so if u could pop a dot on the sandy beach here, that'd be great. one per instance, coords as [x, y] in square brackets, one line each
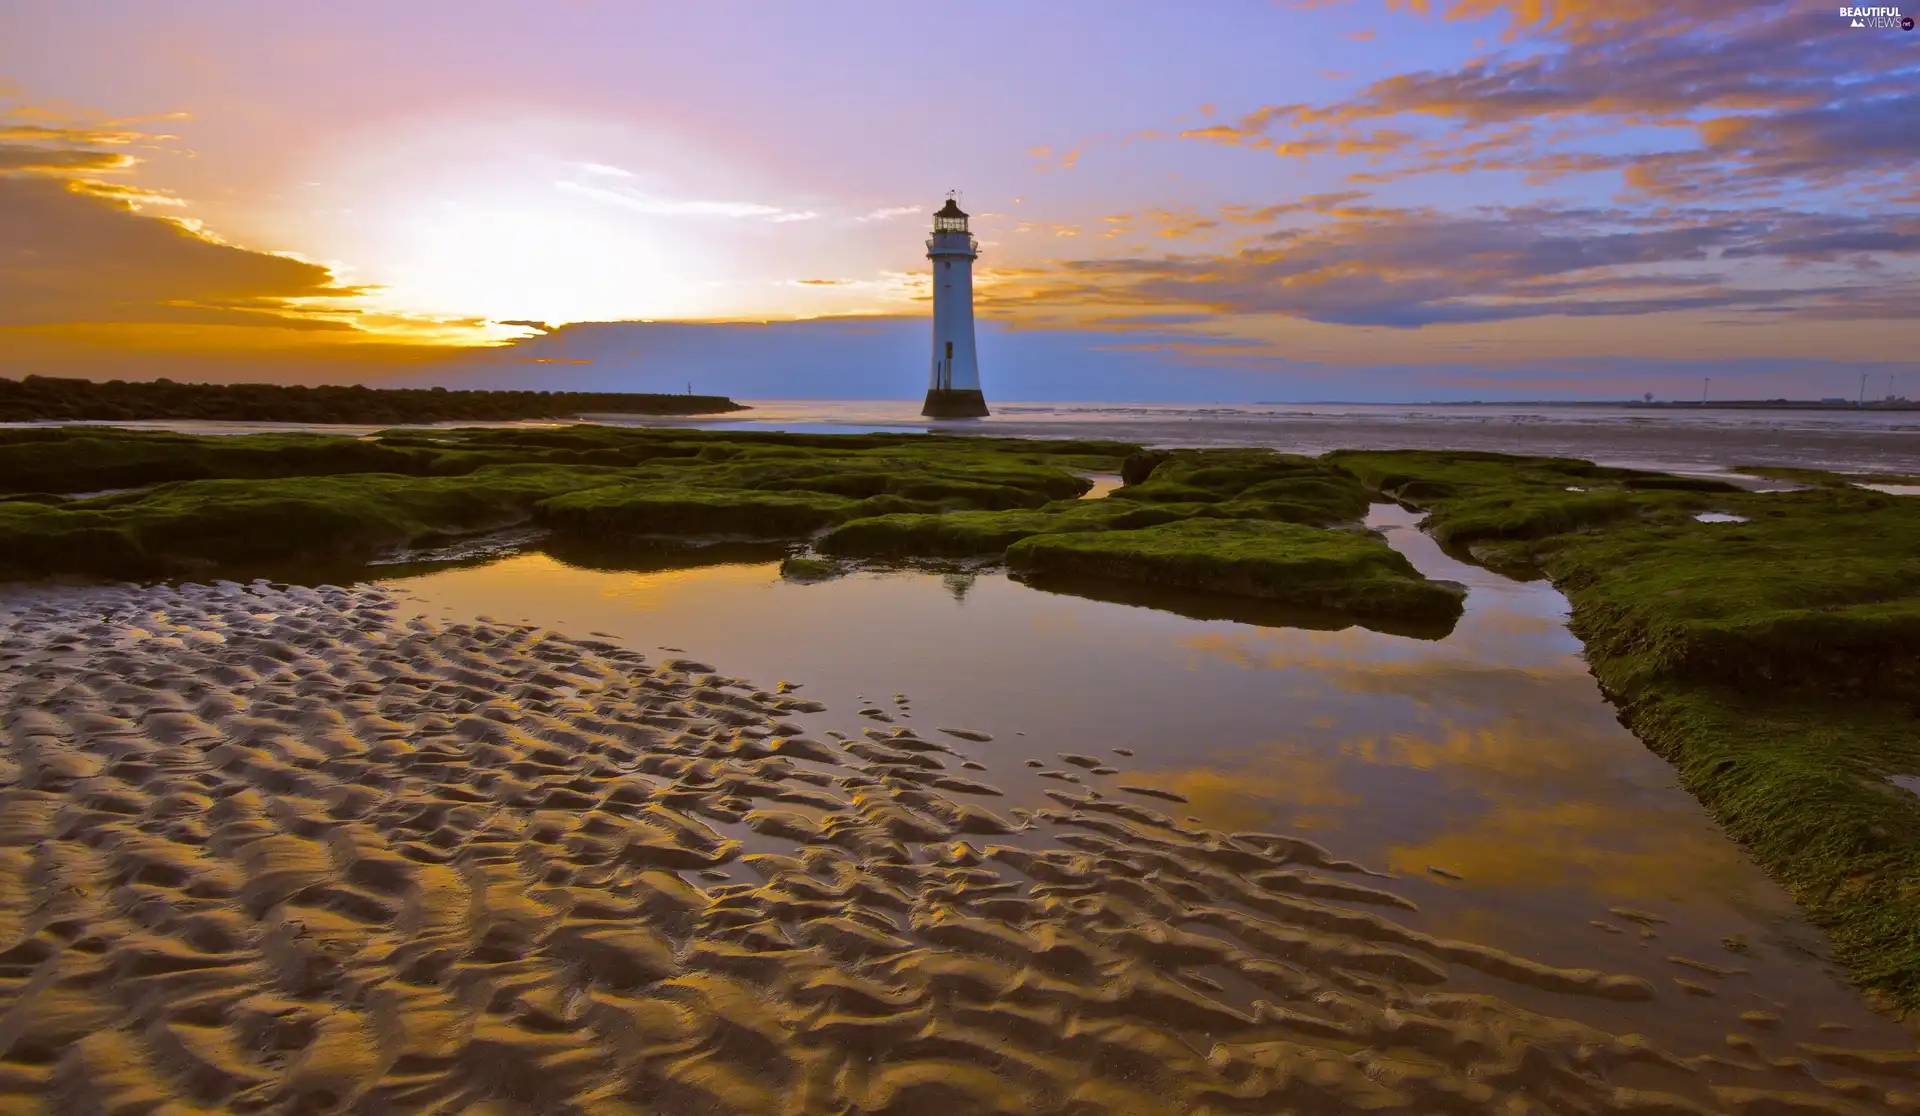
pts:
[268, 848]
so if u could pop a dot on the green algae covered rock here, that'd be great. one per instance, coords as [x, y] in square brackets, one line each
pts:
[1345, 571]
[1247, 483]
[1771, 653]
[980, 533]
[195, 526]
[639, 509]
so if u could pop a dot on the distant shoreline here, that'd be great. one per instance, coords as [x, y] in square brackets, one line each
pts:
[47, 399]
[1635, 404]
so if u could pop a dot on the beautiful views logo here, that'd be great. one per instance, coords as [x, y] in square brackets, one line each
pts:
[1877, 17]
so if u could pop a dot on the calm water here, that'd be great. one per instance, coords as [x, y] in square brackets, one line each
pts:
[1689, 441]
[1483, 769]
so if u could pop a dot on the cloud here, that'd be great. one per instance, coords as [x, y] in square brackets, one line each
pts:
[1048, 158]
[89, 280]
[1760, 100]
[21, 158]
[888, 213]
[73, 256]
[78, 249]
[1336, 262]
[62, 136]
[824, 282]
[680, 207]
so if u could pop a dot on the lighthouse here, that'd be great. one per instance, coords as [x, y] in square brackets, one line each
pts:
[954, 389]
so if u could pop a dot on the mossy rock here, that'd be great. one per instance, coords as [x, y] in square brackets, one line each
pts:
[981, 483]
[617, 510]
[87, 459]
[1822, 478]
[799, 567]
[981, 533]
[193, 526]
[674, 484]
[1775, 662]
[1248, 483]
[1817, 592]
[1346, 571]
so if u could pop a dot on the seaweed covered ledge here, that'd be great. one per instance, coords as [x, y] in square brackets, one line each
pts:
[1766, 643]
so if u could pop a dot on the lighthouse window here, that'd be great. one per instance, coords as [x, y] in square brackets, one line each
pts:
[948, 264]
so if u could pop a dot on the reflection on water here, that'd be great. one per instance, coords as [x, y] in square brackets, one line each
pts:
[1483, 769]
[1197, 605]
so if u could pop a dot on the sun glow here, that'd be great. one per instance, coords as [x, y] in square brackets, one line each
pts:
[532, 219]
[527, 260]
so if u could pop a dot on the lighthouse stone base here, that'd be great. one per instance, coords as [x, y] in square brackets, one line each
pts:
[946, 403]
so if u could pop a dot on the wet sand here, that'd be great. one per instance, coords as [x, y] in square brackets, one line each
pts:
[269, 848]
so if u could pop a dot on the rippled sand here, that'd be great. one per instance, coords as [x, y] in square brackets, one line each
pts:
[289, 850]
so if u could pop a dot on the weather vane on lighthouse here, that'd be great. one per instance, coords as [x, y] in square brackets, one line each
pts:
[954, 391]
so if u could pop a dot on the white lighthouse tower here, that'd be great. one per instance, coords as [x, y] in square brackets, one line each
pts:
[954, 390]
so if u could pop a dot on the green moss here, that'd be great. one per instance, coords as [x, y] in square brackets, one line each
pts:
[1775, 662]
[1424, 476]
[1247, 483]
[1347, 571]
[1819, 591]
[623, 510]
[976, 481]
[801, 568]
[188, 526]
[976, 533]
[1821, 478]
[87, 459]
[687, 484]
[1803, 785]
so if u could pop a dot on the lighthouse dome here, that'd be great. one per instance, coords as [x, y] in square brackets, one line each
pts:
[950, 218]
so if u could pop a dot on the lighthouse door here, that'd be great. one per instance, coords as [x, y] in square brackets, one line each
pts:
[947, 379]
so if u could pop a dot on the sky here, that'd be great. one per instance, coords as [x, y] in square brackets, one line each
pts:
[1330, 199]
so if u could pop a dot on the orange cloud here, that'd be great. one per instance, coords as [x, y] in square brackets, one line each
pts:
[1050, 159]
[90, 273]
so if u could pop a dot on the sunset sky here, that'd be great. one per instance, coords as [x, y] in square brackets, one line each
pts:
[1411, 199]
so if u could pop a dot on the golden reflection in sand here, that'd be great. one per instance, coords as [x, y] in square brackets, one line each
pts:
[1621, 853]
[1295, 785]
[1525, 800]
[1485, 636]
[1297, 650]
[542, 585]
[1508, 748]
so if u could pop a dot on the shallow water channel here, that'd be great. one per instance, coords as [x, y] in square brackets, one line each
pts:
[1483, 771]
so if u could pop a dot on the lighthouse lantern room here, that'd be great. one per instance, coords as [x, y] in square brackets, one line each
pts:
[954, 390]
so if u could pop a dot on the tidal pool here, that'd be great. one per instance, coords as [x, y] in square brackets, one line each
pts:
[1483, 771]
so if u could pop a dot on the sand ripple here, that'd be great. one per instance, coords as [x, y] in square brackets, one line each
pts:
[285, 849]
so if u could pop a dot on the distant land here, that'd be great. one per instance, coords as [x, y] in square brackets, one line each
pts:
[1654, 404]
[51, 399]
